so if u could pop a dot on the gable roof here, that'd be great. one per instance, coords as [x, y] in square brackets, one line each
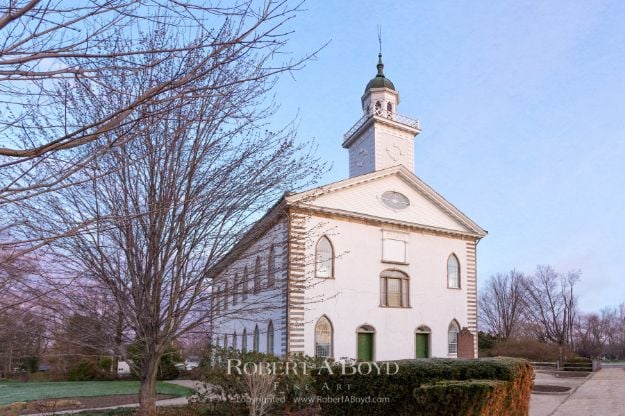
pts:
[353, 197]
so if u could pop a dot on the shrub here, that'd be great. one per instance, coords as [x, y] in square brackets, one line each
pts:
[30, 364]
[577, 364]
[87, 370]
[529, 349]
[231, 393]
[105, 363]
[429, 387]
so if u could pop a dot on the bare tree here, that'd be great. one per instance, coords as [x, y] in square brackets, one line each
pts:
[23, 341]
[50, 50]
[601, 334]
[552, 304]
[501, 304]
[161, 208]
[590, 335]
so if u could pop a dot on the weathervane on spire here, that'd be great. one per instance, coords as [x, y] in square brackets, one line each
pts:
[380, 64]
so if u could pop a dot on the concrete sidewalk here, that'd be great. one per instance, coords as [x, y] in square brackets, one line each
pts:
[602, 394]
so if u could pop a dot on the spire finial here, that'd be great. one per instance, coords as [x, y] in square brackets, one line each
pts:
[380, 64]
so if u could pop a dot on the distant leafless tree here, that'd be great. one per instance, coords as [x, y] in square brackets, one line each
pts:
[602, 334]
[552, 304]
[501, 303]
[590, 335]
[23, 340]
[194, 169]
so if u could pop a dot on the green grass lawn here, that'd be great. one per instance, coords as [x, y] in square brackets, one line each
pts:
[11, 391]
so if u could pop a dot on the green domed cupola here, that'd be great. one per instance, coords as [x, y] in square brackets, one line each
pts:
[380, 81]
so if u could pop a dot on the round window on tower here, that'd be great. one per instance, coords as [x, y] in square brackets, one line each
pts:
[395, 200]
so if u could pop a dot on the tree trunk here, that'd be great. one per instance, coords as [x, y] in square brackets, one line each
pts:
[147, 390]
[119, 331]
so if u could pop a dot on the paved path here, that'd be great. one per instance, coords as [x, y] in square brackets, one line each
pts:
[603, 394]
[545, 404]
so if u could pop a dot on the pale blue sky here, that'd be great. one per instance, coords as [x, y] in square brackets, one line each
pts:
[522, 108]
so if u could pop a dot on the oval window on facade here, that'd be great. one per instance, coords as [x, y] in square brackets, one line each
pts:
[395, 200]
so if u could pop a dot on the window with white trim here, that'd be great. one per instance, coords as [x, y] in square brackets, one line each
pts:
[323, 338]
[324, 258]
[394, 289]
[256, 340]
[453, 272]
[245, 283]
[452, 336]
[270, 338]
[235, 289]
[257, 275]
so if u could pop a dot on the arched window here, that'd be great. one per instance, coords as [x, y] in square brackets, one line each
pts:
[217, 300]
[324, 258]
[452, 337]
[323, 338]
[257, 275]
[244, 283]
[226, 294]
[256, 340]
[389, 110]
[394, 289]
[234, 340]
[244, 341]
[378, 108]
[271, 267]
[453, 272]
[235, 289]
[270, 338]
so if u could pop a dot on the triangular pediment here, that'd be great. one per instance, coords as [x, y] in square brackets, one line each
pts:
[363, 196]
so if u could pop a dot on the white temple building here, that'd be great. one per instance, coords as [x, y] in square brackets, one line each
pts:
[378, 266]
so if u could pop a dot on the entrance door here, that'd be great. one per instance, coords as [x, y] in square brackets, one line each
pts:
[365, 346]
[422, 342]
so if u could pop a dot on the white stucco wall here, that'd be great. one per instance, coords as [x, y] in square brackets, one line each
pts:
[259, 308]
[362, 154]
[393, 147]
[352, 298]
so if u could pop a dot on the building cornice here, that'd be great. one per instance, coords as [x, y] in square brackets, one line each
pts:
[366, 219]
[399, 122]
[461, 218]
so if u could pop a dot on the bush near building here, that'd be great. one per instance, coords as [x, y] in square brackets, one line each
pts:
[491, 386]
[255, 392]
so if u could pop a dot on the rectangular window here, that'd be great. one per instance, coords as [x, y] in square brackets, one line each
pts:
[394, 292]
[394, 289]
[394, 246]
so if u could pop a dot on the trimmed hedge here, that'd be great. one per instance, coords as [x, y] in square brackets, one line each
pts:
[491, 386]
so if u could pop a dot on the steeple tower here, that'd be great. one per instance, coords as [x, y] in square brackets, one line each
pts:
[381, 138]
